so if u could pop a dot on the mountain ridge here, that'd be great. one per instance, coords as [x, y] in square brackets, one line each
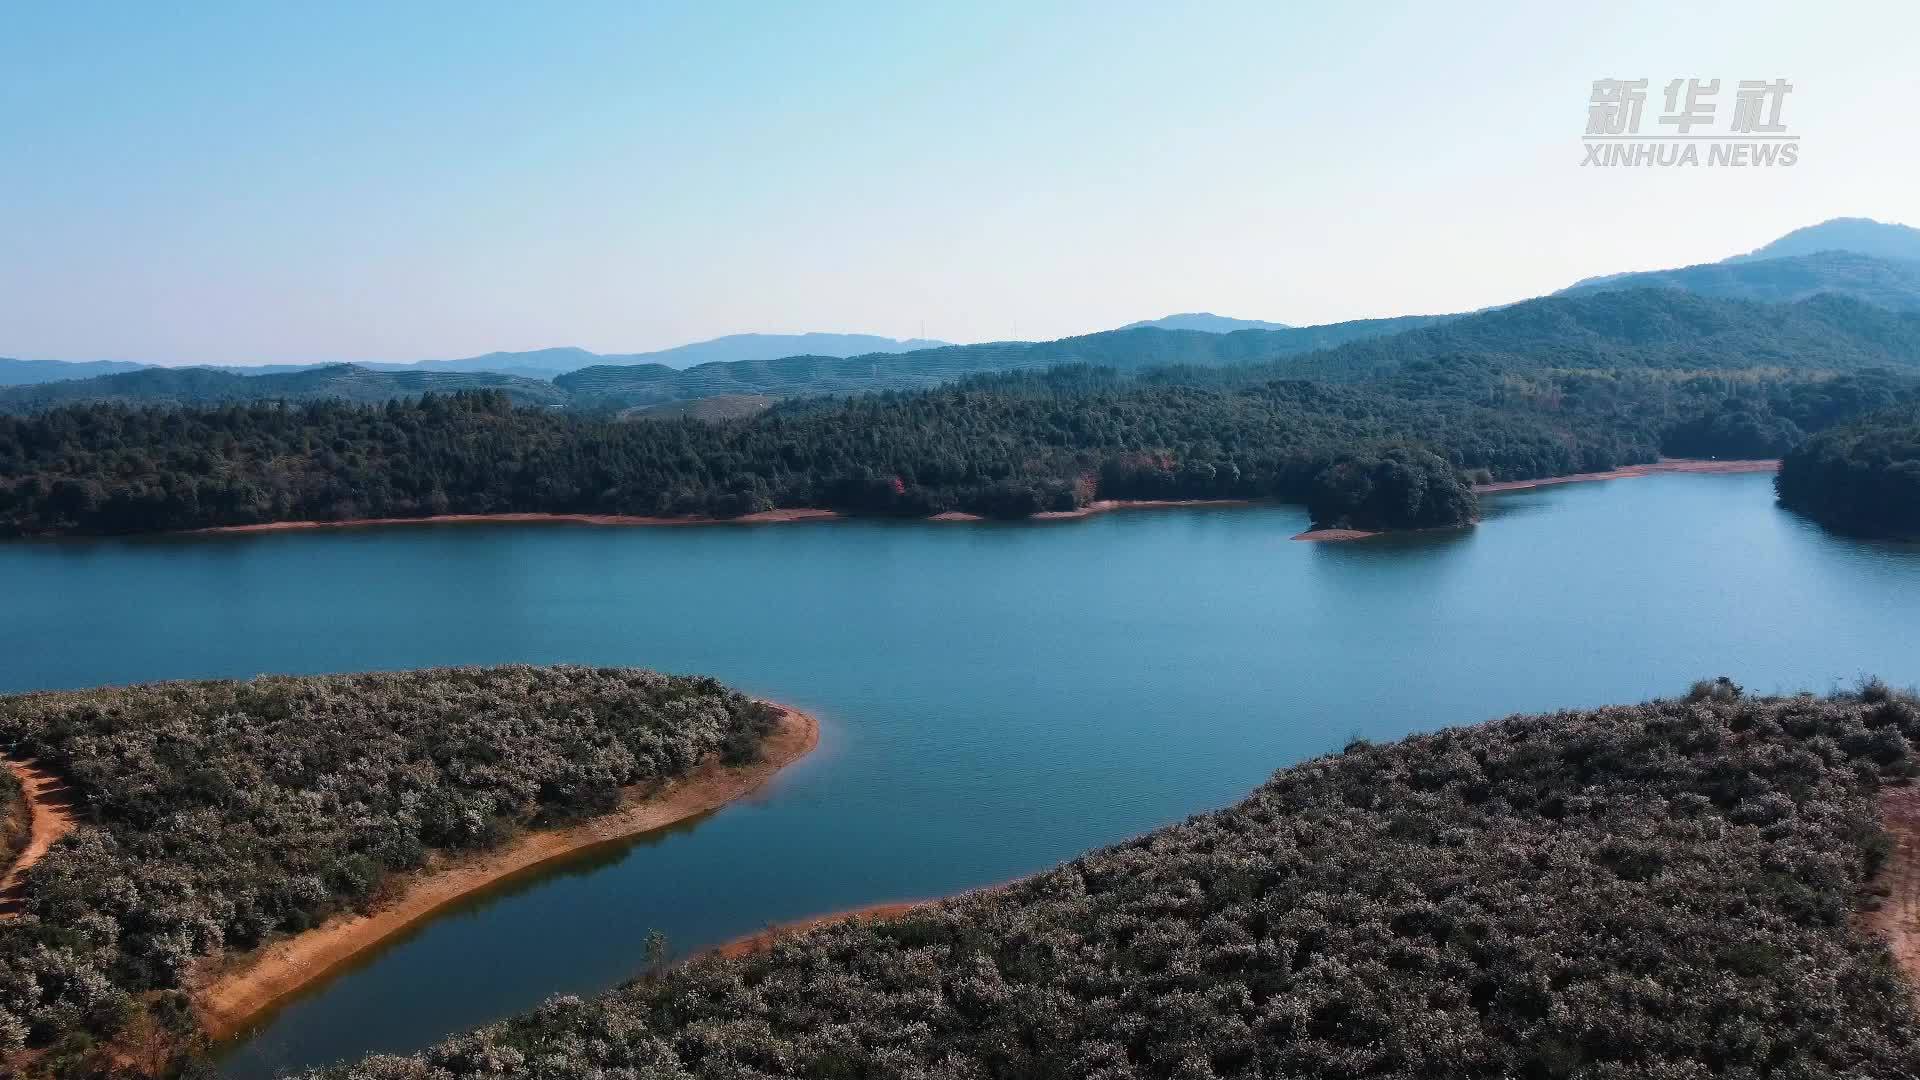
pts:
[1205, 322]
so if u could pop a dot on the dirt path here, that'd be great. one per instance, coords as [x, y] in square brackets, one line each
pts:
[1668, 465]
[228, 999]
[50, 807]
[1898, 918]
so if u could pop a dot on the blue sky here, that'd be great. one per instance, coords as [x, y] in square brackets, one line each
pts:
[257, 183]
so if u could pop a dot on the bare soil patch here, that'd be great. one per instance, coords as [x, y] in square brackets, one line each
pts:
[1897, 919]
[50, 814]
[1668, 465]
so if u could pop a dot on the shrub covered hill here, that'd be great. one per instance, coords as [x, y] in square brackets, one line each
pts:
[215, 815]
[1863, 478]
[1571, 384]
[212, 386]
[1657, 891]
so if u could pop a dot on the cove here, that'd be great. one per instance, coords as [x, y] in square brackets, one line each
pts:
[994, 698]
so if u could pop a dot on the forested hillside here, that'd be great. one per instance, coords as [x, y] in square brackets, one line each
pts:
[213, 815]
[1888, 283]
[1645, 328]
[1664, 890]
[1004, 446]
[1128, 349]
[1863, 478]
[206, 386]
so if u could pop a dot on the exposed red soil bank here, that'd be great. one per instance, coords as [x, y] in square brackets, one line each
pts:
[243, 987]
[1898, 917]
[50, 810]
[765, 517]
[765, 939]
[1334, 534]
[1667, 465]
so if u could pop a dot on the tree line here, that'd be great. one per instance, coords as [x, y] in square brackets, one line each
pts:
[1001, 446]
[1862, 478]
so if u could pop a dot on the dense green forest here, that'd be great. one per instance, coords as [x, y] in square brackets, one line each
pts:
[1654, 891]
[213, 815]
[1003, 446]
[1664, 329]
[1863, 478]
[1557, 386]
[1401, 487]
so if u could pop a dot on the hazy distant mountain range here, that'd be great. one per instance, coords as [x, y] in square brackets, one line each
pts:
[1873, 267]
[1206, 322]
[1125, 350]
[731, 349]
[208, 386]
[533, 364]
[1864, 236]
[1858, 257]
[1888, 283]
[22, 372]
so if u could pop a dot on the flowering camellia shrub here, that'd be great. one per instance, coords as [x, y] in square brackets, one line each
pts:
[214, 814]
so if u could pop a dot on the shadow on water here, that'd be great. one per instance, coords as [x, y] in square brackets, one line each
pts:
[580, 863]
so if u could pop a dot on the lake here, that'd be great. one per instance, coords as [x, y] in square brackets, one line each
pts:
[994, 698]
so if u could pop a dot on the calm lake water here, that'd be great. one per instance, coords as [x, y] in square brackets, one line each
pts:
[995, 698]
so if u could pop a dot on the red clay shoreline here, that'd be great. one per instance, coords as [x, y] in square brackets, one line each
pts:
[1698, 466]
[764, 517]
[1101, 506]
[1702, 466]
[886, 909]
[230, 992]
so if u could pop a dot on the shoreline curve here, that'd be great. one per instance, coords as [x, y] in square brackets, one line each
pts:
[1698, 466]
[1099, 506]
[764, 517]
[238, 989]
[1665, 466]
[763, 939]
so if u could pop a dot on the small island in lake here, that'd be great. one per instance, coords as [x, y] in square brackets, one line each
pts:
[1862, 478]
[1400, 487]
[232, 841]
